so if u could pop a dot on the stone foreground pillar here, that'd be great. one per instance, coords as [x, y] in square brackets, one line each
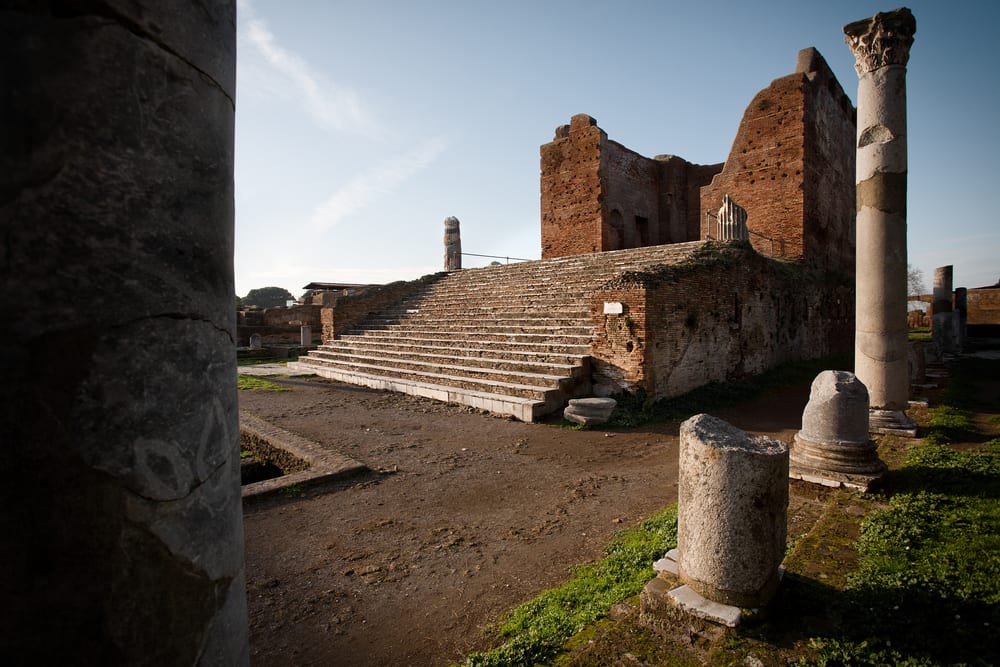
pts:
[732, 501]
[881, 47]
[452, 244]
[121, 515]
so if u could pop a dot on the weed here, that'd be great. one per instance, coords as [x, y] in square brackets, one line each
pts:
[253, 383]
[292, 491]
[537, 630]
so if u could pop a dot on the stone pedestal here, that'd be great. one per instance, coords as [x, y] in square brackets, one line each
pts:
[305, 335]
[121, 517]
[833, 448]
[881, 46]
[452, 244]
[732, 502]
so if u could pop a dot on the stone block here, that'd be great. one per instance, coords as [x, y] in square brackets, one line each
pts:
[588, 411]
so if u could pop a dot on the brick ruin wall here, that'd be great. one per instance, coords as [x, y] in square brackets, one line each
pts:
[732, 313]
[277, 325]
[570, 190]
[791, 167]
[598, 195]
[983, 308]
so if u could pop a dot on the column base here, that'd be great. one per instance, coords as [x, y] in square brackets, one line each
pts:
[891, 422]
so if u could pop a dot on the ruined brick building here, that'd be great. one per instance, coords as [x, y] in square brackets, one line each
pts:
[791, 167]
[630, 294]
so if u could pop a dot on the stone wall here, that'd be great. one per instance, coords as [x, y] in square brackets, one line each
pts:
[791, 167]
[729, 313]
[350, 310]
[598, 195]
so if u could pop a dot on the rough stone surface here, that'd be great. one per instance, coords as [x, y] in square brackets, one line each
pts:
[588, 411]
[881, 47]
[732, 502]
[119, 404]
[833, 448]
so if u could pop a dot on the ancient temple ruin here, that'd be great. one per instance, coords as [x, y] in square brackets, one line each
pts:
[635, 290]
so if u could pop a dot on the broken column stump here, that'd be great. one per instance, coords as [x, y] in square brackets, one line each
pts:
[731, 522]
[834, 448]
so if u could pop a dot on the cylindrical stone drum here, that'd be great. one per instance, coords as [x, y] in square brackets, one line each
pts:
[732, 506]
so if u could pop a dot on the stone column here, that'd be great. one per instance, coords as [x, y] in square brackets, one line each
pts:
[732, 501]
[943, 324]
[121, 514]
[452, 245]
[881, 47]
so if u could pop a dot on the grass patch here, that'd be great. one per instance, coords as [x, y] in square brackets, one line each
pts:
[927, 587]
[253, 383]
[536, 631]
[635, 409]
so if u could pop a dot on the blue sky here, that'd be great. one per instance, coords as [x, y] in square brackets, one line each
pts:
[360, 126]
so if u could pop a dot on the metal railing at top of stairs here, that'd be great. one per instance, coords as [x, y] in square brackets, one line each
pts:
[508, 259]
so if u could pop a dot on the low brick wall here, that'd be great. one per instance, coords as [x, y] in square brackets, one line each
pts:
[350, 310]
[727, 313]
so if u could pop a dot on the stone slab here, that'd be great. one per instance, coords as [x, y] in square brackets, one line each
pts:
[690, 602]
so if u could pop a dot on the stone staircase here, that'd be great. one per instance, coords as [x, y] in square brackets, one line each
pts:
[513, 339]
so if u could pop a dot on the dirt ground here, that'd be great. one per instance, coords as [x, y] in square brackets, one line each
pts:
[464, 516]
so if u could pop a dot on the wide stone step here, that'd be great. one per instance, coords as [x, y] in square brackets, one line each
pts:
[537, 392]
[436, 319]
[459, 363]
[525, 409]
[475, 330]
[537, 338]
[567, 355]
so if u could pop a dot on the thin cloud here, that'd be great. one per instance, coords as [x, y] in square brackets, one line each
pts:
[378, 182]
[333, 107]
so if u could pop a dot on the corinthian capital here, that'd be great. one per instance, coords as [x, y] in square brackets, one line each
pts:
[884, 39]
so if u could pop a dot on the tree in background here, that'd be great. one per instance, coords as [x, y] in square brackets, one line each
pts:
[915, 286]
[267, 297]
[914, 280]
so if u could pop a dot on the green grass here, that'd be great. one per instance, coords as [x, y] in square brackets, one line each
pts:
[253, 383]
[536, 631]
[927, 587]
[635, 409]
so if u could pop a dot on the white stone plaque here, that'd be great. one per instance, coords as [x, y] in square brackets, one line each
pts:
[613, 308]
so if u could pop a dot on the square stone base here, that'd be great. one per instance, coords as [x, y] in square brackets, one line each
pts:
[665, 599]
[862, 483]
